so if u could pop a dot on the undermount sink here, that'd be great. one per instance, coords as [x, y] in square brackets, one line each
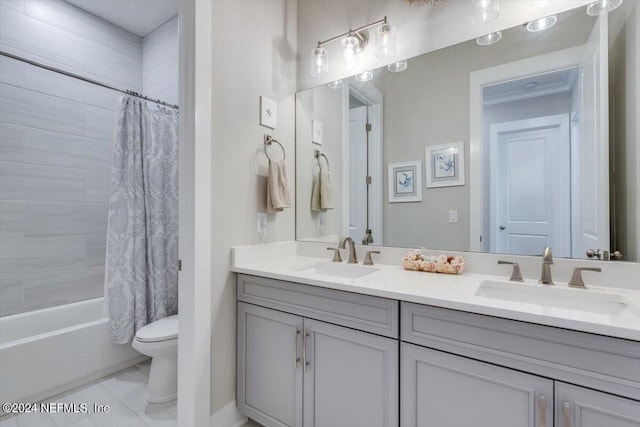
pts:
[573, 299]
[347, 271]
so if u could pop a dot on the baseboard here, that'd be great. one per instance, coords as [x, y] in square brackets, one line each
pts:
[227, 416]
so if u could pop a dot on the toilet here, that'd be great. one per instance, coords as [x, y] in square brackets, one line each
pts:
[159, 340]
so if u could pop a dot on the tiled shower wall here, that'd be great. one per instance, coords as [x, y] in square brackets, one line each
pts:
[55, 150]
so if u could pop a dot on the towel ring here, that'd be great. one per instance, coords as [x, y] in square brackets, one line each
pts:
[268, 140]
[318, 154]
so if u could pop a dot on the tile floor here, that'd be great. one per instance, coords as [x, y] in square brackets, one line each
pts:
[123, 392]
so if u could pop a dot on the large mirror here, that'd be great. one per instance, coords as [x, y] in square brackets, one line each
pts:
[504, 148]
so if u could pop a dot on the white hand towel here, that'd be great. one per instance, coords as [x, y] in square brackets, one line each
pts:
[326, 190]
[315, 194]
[278, 196]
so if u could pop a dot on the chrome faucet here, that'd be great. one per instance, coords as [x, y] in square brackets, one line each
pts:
[353, 258]
[547, 260]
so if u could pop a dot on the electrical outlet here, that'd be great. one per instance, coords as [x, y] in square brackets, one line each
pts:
[262, 222]
[453, 216]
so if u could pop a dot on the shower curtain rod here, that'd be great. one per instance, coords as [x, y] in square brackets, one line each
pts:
[85, 79]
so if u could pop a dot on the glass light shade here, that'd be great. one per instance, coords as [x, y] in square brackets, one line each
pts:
[385, 40]
[489, 39]
[602, 6]
[350, 46]
[485, 11]
[364, 76]
[542, 23]
[319, 62]
[397, 67]
[336, 84]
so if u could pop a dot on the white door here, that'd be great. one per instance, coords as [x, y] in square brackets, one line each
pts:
[530, 186]
[591, 155]
[357, 173]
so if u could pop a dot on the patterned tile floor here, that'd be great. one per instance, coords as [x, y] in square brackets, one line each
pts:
[123, 392]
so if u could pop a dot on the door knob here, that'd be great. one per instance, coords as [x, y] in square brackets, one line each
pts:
[502, 227]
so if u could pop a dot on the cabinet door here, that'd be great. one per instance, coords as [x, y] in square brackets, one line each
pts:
[351, 378]
[443, 390]
[582, 407]
[269, 367]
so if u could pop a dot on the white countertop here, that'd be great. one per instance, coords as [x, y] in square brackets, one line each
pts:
[456, 292]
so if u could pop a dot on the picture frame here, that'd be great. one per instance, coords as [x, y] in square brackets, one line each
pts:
[268, 112]
[445, 165]
[316, 132]
[405, 182]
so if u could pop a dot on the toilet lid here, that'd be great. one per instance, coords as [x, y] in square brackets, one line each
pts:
[160, 330]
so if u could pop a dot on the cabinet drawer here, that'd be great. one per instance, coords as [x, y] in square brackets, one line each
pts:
[603, 363]
[363, 312]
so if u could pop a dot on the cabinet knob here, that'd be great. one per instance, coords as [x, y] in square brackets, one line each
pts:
[502, 228]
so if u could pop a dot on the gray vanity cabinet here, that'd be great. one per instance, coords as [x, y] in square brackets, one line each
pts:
[269, 369]
[443, 390]
[582, 407]
[305, 360]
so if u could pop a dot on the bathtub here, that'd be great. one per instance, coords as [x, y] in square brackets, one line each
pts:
[49, 351]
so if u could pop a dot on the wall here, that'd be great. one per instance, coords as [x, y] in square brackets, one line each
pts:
[624, 119]
[160, 62]
[254, 53]
[55, 150]
[326, 105]
[420, 29]
[428, 104]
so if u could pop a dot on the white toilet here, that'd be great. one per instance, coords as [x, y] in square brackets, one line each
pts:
[159, 340]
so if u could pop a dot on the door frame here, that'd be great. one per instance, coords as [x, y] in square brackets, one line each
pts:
[370, 96]
[555, 61]
[562, 123]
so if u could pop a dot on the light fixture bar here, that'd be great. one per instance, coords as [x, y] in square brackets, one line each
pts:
[354, 32]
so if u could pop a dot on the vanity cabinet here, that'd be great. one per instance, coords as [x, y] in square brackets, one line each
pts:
[295, 368]
[449, 375]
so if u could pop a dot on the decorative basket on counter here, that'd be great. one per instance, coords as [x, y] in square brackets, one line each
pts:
[417, 261]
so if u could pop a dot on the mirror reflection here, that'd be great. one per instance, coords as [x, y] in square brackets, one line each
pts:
[503, 148]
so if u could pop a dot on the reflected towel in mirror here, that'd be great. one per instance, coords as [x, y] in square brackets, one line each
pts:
[322, 191]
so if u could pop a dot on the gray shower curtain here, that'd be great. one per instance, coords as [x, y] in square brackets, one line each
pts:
[141, 272]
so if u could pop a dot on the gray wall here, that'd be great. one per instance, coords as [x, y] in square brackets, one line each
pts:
[55, 150]
[160, 62]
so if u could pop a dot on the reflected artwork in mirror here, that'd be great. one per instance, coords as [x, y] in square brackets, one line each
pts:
[547, 122]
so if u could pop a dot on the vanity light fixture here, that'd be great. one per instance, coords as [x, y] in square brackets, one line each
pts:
[364, 76]
[353, 43]
[336, 84]
[397, 67]
[541, 24]
[486, 11]
[602, 6]
[489, 39]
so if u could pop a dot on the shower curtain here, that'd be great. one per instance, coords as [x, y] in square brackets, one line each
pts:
[141, 272]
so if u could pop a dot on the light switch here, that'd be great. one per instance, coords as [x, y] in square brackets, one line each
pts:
[453, 216]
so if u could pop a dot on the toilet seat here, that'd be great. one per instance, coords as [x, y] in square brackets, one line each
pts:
[161, 330]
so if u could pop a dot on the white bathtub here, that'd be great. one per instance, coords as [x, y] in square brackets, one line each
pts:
[46, 352]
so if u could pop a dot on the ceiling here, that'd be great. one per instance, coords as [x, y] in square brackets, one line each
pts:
[137, 16]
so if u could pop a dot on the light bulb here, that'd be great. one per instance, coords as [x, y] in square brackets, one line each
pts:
[397, 67]
[385, 40]
[542, 24]
[319, 62]
[364, 76]
[489, 39]
[350, 46]
[485, 11]
[602, 6]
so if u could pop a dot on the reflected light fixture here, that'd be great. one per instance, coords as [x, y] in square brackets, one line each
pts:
[397, 67]
[336, 84]
[542, 23]
[601, 7]
[353, 43]
[489, 39]
[485, 11]
[364, 76]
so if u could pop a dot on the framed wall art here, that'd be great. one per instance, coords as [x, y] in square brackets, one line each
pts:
[405, 182]
[445, 165]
